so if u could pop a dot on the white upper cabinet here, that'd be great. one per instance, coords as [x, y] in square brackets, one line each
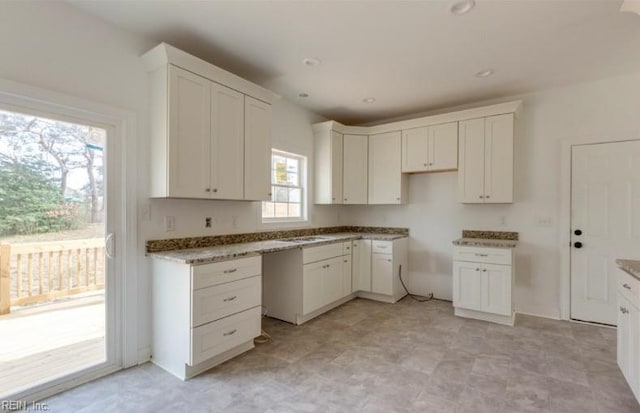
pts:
[387, 184]
[485, 172]
[257, 150]
[189, 136]
[430, 148]
[210, 130]
[328, 168]
[227, 143]
[355, 169]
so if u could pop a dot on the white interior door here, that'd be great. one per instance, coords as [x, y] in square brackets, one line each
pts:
[605, 224]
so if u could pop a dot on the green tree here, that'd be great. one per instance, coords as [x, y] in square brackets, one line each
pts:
[30, 202]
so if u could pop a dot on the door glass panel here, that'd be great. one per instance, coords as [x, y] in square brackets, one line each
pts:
[52, 258]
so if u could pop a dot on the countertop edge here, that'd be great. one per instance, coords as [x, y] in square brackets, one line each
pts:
[626, 266]
[486, 243]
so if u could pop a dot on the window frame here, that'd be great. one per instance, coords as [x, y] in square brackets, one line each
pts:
[302, 186]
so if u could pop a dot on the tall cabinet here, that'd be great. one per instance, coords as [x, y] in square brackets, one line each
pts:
[210, 130]
[328, 167]
[355, 170]
[387, 184]
[485, 172]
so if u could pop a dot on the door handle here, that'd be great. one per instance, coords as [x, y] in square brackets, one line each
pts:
[577, 244]
[110, 245]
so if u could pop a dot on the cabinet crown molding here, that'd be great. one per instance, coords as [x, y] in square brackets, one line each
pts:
[164, 54]
[514, 107]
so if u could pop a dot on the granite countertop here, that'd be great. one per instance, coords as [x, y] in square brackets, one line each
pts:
[251, 249]
[630, 266]
[483, 242]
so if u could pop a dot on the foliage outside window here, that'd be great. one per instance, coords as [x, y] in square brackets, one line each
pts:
[287, 190]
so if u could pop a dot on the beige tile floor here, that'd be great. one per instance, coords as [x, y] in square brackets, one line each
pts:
[373, 357]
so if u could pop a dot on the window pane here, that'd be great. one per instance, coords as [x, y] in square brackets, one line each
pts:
[292, 179]
[281, 194]
[277, 160]
[281, 210]
[294, 195]
[294, 210]
[292, 165]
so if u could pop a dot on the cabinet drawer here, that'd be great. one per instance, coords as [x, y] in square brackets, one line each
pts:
[346, 248]
[483, 255]
[382, 247]
[223, 272]
[629, 286]
[322, 252]
[211, 339]
[213, 303]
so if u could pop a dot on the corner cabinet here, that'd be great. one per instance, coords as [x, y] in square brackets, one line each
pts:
[430, 148]
[209, 140]
[204, 314]
[387, 184]
[482, 283]
[376, 269]
[485, 172]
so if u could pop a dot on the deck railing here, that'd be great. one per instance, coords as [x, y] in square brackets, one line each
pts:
[42, 271]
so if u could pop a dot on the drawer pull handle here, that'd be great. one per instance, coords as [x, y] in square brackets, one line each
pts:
[484, 270]
[382, 247]
[346, 261]
[627, 286]
[623, 310]
[230, 271]
[231, 298]
[232, 332]
[481, 255]
[477, 269]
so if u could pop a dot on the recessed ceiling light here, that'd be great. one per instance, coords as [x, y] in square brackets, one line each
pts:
[484, 73]
[462, 7]
[303, 95]
[311, 61]
[369, 100]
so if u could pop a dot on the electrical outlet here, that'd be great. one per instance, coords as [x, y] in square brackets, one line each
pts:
[207, 222]
[503, 220]
[169, 223]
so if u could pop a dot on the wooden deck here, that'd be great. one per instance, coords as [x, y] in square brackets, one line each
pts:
[38, 343]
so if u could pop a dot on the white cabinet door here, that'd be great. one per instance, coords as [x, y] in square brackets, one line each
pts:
[336, 167]
[257, 150]
[443, 147]
[467, 285]
[415, 144]
[347, 271]
[471, 166]
[189, 134]
[227, 143]
[332, 280]
[498, 176]
[386, 185]
[496, 289]
[382, 274]
[355, 169]
[628, 342]
[313, 295]
[361, 265]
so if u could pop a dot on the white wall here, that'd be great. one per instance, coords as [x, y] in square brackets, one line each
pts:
[54, 46]
[608, 109]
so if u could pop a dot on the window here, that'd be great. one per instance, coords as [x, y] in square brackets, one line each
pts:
[288, 172]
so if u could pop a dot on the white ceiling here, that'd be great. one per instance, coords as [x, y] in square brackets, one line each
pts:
[412, 56]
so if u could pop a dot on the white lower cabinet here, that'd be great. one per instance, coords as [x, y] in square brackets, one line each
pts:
[482, 286]
[628, 331]
[204, 314]
[376, 269]
[324, 279]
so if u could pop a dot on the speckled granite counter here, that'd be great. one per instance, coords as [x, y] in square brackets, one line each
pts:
[251, 249]
[490, 239]
[632, 267]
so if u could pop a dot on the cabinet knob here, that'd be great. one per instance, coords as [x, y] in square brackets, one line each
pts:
[333, 199]
[627, 286]
[215, 189]
[346, 260]
[208, 190]
[398, 199]
[425, 164]
[484, 270]
[270, 194]
[488, 196]
[480, 197]
[389, 260]
[345, 199]
[477, 269]
[430, 163]
[623, 310]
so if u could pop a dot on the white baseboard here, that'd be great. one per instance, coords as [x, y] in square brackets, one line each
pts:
[555, 315]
